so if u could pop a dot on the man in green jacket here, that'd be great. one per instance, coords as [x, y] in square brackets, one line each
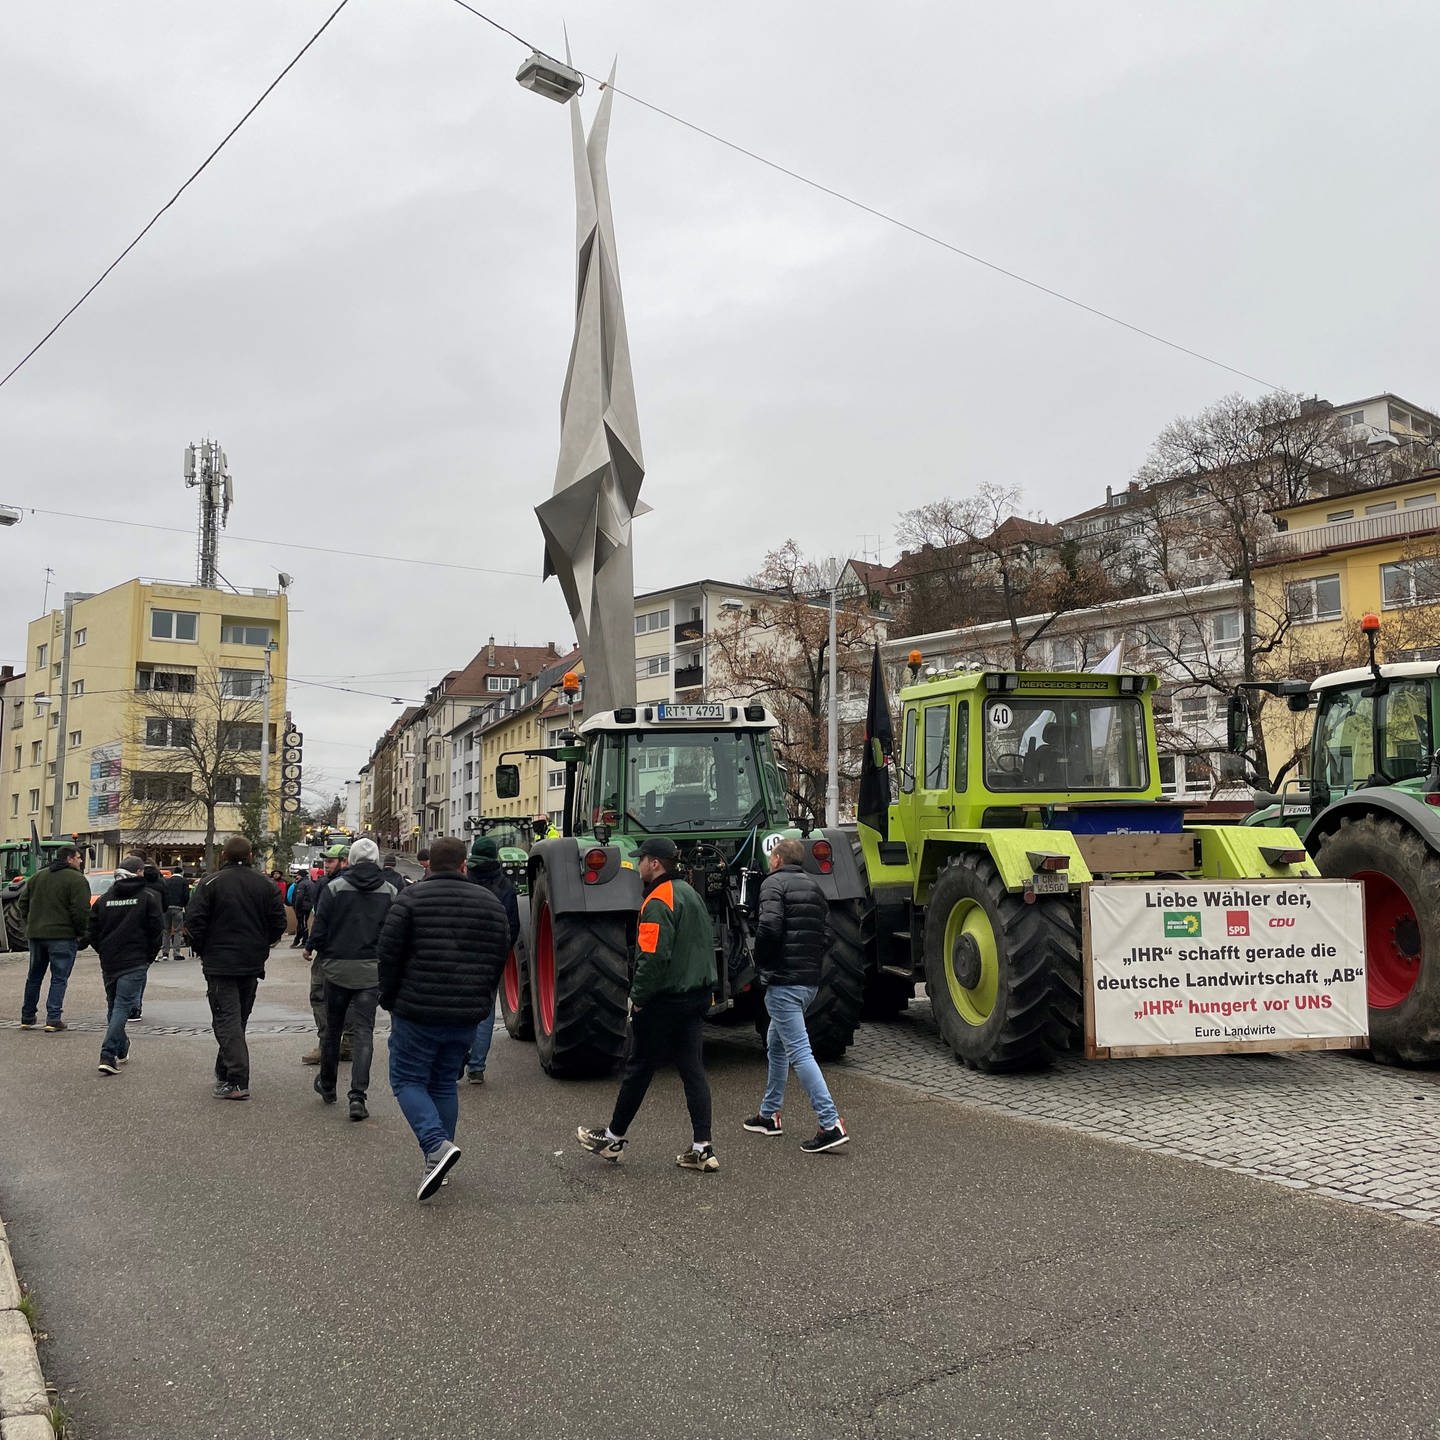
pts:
[670, 995]
[55, 910]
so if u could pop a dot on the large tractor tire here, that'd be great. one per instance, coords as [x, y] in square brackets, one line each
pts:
[1401, 875]
[579, 985]
[1004, 977]
[517, 1009]
[835, 1011]
[13, 933]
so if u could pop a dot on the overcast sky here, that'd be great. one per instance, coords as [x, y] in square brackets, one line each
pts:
[368, 297]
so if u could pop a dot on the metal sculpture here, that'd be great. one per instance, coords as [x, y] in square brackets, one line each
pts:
[586, 521]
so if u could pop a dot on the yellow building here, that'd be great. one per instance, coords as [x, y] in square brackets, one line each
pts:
[1338, 558]
[130, 698]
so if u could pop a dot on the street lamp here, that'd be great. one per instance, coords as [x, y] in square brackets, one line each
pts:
[9, 515]
[548, 77]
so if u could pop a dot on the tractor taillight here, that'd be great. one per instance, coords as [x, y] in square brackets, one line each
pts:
[1432, 798]
[824, 856]
[1275, 855]
[1047, 860]
[594, 864]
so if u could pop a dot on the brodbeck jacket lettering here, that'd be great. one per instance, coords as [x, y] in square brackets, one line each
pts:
[794, 929]
[127, 926]
[442, 950]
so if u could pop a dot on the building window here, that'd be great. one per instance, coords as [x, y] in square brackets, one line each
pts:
[77, 689]
[555, 779]
[34, 802]
[35, 748]
[173, 624]
[1416, 501]
[1410, 582]
[1198, 775]
[42, 656]
[651, 620]
[242, 632]
[14, 804]
[1316, 599]
[497, 684]
[155, 785]
[1062, 654]
[49, 769]
[80, 636]
[1336, 516]
[1382, 507]
[652, 665]
[241, 684]
[54, 719]
[74, 739]
[18, 753]
[1192, 643]
[72, 789]
[1193, 707]
[237, 789]
[1226, 626]
[164, 732]
[175, 682]
[240, 736]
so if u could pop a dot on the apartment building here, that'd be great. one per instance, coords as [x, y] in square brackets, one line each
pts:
[675, 653]
[118, 687]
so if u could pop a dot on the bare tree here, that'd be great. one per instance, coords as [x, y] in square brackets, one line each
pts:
[780, 656]
[201, 745]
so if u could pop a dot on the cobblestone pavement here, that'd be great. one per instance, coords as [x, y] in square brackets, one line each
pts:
[1337, 1126]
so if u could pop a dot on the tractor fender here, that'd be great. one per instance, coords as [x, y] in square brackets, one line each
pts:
[846, 878]
[616, 887]
[1423, 819]
[1009, 851]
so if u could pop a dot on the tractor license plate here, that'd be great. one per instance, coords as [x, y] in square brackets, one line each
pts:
[690, 712]
[1045, 882]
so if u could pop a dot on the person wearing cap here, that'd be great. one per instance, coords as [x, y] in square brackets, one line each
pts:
[542, 828]
[343, 938]
[234, 917]
[485, 869]
[336, 858]
[670, 995]
[127, 928]
[391, 867]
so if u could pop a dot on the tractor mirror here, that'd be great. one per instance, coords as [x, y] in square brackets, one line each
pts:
[1237, 724]
[507, 781]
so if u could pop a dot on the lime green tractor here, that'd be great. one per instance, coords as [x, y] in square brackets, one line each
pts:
[705, 776]
[19, 860]
[1016, 790]
[1369, 810]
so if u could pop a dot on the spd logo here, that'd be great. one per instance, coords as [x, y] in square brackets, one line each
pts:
[1237, 922]
[1182, 924]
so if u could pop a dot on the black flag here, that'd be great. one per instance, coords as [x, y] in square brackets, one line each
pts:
[874, 807]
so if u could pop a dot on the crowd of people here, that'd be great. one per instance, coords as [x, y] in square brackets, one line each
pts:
[431, 953]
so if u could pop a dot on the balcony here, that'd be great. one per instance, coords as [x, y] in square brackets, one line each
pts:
[689, 678]
[1369, 529]
[689, 632]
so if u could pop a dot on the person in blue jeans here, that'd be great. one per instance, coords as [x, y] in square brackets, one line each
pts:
[485, 869]
[127, 926]
[791, 939]
[54, 907]
[440, 955]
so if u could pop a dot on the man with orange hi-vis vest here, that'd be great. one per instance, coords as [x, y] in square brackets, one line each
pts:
[670, 995]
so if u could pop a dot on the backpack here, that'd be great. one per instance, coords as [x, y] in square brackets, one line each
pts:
[290, 893]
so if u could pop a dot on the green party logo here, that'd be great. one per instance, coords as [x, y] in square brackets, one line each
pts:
[1182, 924]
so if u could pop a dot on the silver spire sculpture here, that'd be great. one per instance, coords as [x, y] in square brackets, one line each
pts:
[586, 521]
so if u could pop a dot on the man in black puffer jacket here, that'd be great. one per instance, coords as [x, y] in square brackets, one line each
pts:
[442, 950]
[790, 944]
[235, 916]
[126, 925]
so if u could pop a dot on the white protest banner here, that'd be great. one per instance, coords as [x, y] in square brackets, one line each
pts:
[1209, 967]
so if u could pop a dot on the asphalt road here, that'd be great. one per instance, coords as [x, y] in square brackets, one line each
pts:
[262, 1270]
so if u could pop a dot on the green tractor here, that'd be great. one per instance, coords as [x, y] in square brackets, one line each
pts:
[1370, 811]
[513, 839]
[1016, 790]
[705, 776]
[19, 860]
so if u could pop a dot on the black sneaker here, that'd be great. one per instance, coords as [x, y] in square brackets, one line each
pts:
[229, 1090]
[438, 1164]
[831, 1139]
[765, 1124]
[598, 1143]
[475, 1077]
[357, 1108]
[703, 1160]
[328, 1096]
[109, 1067]
[53, 1027]
[134, 1015]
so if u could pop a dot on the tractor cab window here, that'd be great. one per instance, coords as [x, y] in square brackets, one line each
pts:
[600, 801]
[907, 755]
[1060, 743]
[680, 780]
[937, 748]
[1386, 736]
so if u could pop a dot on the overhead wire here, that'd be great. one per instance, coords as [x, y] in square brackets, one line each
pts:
[194, 175]
[895, 220]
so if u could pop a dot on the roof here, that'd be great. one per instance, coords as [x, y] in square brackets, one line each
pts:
[1424, 477]
[1402, 670]
[704, 585]
[524, 661]
[1387, 395]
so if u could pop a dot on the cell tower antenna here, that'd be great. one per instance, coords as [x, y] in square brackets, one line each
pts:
[208, 470]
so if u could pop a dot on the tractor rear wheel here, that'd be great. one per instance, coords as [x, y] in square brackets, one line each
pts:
[579, 983]
[1401, 875]
[14, 928]
[517, 1009]
[835, 1011]
[1004, 977]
